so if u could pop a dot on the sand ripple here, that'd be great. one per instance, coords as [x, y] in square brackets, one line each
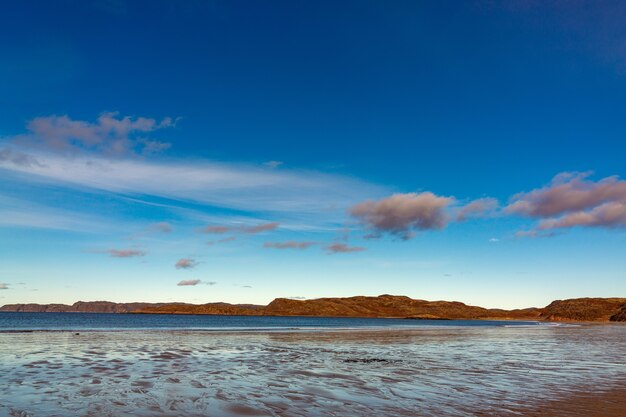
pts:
[426, 372]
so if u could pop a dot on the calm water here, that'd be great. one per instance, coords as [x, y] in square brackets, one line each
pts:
[97, 321]
[445, 369]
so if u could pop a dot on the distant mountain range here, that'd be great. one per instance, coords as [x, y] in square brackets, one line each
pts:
[577, 309]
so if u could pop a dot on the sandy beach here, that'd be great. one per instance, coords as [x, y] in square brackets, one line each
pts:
[534, 371]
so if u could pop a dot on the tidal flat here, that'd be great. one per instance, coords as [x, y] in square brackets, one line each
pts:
[436, 371]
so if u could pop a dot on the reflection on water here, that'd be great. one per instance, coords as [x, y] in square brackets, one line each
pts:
[432, 372]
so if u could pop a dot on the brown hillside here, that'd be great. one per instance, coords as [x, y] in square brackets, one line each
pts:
[585, 309]
[210, 308]
[579, 309]
[80, 307]
[385, 306]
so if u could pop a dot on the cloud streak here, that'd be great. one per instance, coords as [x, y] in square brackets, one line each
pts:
[343, 248]
[4, 286]
[218, 230]
[251, 230]
[265, 227]
[125, 253]
[291, 244]
[189, 283]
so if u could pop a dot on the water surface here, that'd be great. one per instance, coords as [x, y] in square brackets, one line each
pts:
[419, 371]
[101, 321]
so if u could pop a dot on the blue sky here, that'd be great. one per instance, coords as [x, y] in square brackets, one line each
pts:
[442, 150]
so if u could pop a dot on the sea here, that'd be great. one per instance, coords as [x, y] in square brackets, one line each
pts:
[10, 321]
[75, 364]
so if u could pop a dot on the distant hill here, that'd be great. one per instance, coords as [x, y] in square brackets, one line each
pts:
[586, 309]
[80, 307]
[389, 306]
[210, 308]
[578, 309]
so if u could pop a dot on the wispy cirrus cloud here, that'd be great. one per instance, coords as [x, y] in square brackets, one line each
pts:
[291, 244]
[343, 248]
[28, 215]
[104, 156]
[186, 263]
[571, 199]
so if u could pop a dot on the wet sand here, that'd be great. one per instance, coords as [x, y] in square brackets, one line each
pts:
[592, 403]
[533, 371]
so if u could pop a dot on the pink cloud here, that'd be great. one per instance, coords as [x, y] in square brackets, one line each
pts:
[265, 227]
[291, 244]
[189, 282]
[343, 248]
[125, 253]
[571, 200]
[110, 134]
[186, 263]
[567, 193]
[215, 229]
[609, 215]
[401, 214]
